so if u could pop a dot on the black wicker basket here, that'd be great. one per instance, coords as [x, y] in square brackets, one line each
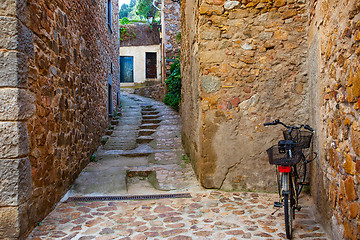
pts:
[301, 137]
[282, 156]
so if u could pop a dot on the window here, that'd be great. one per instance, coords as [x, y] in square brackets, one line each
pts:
[109, 15]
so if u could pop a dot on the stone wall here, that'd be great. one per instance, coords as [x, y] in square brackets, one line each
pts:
[334, 49]
[244, 64]
[152, 89]
[172, 21]
[56, 60]
[172, 27]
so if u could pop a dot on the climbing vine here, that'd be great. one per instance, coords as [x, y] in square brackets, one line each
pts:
[173, 86]
[125, 30]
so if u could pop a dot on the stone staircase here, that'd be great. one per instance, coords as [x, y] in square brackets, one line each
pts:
[142, 155]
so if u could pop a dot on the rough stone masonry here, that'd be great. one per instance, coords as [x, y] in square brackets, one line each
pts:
[58, 60]
[246, 65]
[251, 61]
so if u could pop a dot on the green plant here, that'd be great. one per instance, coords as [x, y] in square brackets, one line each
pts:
[178, 37]
[173, 86]
[124, 21]
[126, 34]
[185, 158]
[93, 158]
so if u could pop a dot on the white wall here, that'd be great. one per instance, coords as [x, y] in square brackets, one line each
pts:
[139, 53]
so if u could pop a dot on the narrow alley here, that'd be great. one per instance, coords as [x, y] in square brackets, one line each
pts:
[144, 156]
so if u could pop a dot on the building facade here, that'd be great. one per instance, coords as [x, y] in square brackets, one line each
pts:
[248, 62]
[140, 55]
[58, 86]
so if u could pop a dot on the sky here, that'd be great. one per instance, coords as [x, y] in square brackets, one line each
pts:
[123, 1]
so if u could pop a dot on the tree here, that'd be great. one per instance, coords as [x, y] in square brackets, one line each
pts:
[144, 7]
[124, 11]
[132, 4]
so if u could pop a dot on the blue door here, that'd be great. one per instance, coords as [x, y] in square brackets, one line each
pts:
[126, 69]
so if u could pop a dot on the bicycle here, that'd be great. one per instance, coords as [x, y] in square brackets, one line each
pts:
[291, 168]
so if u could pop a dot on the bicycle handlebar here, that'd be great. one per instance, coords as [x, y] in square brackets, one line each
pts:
[277, 121]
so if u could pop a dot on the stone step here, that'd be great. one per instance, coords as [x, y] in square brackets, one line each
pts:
[146, 121]
[147, 106]
[150, 116]
[149, 126]
[148, 109]
[144, 139]
[149, 112]
[146, 132]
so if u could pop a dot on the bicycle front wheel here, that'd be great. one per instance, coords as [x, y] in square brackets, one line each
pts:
[289, 214]
[300, 175]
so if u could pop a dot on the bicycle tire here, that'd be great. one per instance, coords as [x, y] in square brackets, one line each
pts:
[300, 175]
[288, 212]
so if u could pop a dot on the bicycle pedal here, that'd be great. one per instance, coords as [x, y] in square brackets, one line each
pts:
[278, 204]
[304, 183]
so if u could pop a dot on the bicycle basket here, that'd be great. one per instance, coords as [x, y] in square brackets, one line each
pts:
[279, 156]
[301, 137]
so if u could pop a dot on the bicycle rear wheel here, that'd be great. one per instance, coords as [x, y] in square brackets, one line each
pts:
[289, 214]
[300, 175]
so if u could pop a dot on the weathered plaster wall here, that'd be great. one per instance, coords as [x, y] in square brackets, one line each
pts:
[334, 43]
[56, 60]
[245, 65]
[139, 57]
[190, 108]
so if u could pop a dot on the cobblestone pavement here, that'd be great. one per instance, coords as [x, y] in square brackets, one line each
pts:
[148, 159]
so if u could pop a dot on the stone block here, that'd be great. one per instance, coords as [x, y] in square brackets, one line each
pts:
[288, 14]
[349, 165]
[266, 35]
[354, 209]
[13, 8]
[211, 9]
[8, 8]
[210, 84]
[9, 223]
[16, 104]
[13, 140]
[355, 141]
[216, 56]
[238, 14]
[13, 69]
[15, 36]
[279, 3]
[209, 34]
[15, 181]
[350, 190]
[231, 4]
[281, 35]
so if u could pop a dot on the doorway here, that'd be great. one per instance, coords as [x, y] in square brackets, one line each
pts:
[151, 65]
[126, 69]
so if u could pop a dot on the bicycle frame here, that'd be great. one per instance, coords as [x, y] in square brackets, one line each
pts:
[291, 163]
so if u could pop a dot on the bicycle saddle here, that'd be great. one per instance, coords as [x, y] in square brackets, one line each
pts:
[282, 143]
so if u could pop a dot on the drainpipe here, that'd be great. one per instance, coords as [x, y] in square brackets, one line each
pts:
[163, 42]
